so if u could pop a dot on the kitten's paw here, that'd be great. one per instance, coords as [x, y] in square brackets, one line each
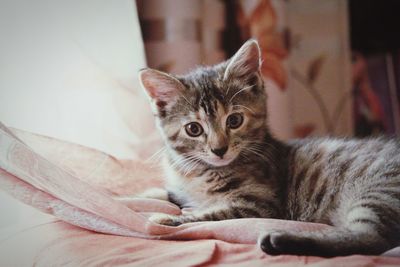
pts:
[277, 243]
[165, 219]
[272, 243]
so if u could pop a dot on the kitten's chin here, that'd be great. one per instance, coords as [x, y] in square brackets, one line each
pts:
[217, 162]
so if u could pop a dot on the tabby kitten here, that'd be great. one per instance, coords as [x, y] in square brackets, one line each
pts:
[222, 161]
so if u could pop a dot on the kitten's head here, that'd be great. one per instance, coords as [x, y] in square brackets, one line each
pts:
[213, 114]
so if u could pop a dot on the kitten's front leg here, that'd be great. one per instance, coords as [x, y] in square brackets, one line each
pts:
[175, 220]
[215, 213]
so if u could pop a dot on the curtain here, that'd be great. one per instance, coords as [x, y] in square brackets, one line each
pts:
[306, 64]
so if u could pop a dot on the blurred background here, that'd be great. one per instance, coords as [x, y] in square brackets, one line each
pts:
[68, 69]
[331, 67]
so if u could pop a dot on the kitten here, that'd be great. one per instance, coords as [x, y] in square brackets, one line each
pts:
[222, 161]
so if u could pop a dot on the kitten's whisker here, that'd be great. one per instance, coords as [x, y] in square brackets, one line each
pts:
[262, 143]
[259, 149]
[249, 109]
[192, 167]
[190, 104]
[255, 152]
[247, 154]
[176, 161]
[244, 155]
[156, 155]
[185, 164]
[241, 90]
[264, 148]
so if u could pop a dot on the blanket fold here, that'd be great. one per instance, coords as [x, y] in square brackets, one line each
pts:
[27, 175]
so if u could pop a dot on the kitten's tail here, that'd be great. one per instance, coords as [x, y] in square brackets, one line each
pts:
[326, 243]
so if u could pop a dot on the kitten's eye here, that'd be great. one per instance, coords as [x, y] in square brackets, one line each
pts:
[193, 129]
[234, 120]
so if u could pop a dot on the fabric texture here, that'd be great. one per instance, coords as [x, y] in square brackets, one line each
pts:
[87, 227]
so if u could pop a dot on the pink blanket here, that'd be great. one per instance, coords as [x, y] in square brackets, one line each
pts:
[128, 237]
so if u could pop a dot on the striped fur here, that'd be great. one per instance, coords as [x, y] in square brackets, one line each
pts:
[353, 185]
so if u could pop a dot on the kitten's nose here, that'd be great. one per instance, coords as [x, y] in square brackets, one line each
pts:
[220, 152]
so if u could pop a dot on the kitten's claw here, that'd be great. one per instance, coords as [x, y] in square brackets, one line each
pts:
[165, 219]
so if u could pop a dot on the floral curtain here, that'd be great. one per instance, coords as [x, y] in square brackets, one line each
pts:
[306, 64]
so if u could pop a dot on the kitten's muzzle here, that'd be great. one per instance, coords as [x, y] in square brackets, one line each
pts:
[220, 152]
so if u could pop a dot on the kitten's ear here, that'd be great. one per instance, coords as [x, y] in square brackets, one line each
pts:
[246, 62]
[163, 89]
